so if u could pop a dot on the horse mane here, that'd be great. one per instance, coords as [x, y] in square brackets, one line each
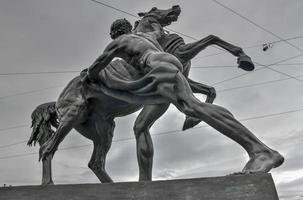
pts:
[169, 42]
[43, 118]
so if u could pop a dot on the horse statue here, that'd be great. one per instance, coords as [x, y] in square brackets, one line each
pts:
[92, 110]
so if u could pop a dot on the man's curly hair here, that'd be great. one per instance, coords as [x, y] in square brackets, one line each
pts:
[120, 27]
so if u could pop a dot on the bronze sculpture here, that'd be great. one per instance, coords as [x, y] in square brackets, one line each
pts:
[91, 107]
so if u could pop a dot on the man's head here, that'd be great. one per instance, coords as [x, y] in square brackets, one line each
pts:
[120, 27]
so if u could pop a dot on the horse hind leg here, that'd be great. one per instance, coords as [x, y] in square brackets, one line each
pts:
[47, 171]
[97, 163]
[46, 167]
[100, 131]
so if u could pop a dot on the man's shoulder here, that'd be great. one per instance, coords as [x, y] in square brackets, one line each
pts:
[126, 36]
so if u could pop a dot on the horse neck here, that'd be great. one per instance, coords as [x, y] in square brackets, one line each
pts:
[144, 26]
[170, 42]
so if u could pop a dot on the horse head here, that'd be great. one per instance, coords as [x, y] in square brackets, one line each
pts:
[163, 17]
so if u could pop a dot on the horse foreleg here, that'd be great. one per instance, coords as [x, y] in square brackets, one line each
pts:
[207, 90]
[188, 51]
[244, 60]
[97, 163]
[144, 121]
[210, 93]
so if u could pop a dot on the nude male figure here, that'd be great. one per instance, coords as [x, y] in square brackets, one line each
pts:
[142, 51]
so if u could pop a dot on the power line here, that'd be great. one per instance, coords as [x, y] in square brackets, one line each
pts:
[261, 68]
[277, 41]
[135, 16]
[127, 14]
[234, 66]
[285, 74]
[257, 84]
[12, 144]
[249, 47]
[13, 127]
[114, 8]
[265, 66]
[257, 25]
[222, 90]
[33, 73]
[266, 30]
[104, 4]
[68, 72]
[28, 92]
[164, 133]
[225, 80]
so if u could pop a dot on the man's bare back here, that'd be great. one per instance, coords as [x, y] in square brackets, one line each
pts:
[134, 48]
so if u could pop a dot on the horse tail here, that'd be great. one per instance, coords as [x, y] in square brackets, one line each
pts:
[43, 118]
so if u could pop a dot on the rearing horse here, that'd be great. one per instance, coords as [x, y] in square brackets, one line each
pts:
[91, 111]
[174, 44]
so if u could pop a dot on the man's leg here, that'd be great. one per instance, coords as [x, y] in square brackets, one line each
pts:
[262, 158]
[144, 121]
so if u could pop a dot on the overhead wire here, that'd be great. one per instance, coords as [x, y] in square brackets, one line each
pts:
[257, 25]
[29, 92]
[264, 29]
[234, 66]
[137, 17]
[219, 91]
[261, 68]
[165, 132]
[34, 73]
[128, 13]
[13, 144]
[249, 47]
[193, 67]
[264, 66]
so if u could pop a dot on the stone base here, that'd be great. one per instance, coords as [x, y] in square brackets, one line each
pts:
[240, 187]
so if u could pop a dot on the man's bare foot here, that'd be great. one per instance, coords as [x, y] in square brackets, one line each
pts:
[263, 162]
[190, 122]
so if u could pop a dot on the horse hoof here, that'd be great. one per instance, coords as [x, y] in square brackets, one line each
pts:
[246, 63]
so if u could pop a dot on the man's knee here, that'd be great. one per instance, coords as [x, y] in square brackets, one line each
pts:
[215, 111]
[188, 107]
[225, 112]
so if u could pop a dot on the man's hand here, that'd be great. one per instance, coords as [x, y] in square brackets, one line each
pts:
[87, 76]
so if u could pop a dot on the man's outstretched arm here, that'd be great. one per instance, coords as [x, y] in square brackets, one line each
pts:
[102, 61]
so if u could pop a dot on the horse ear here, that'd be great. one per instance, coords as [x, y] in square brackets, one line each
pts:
[142, 14]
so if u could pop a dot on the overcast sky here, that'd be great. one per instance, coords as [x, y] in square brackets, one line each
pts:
[67, 35]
